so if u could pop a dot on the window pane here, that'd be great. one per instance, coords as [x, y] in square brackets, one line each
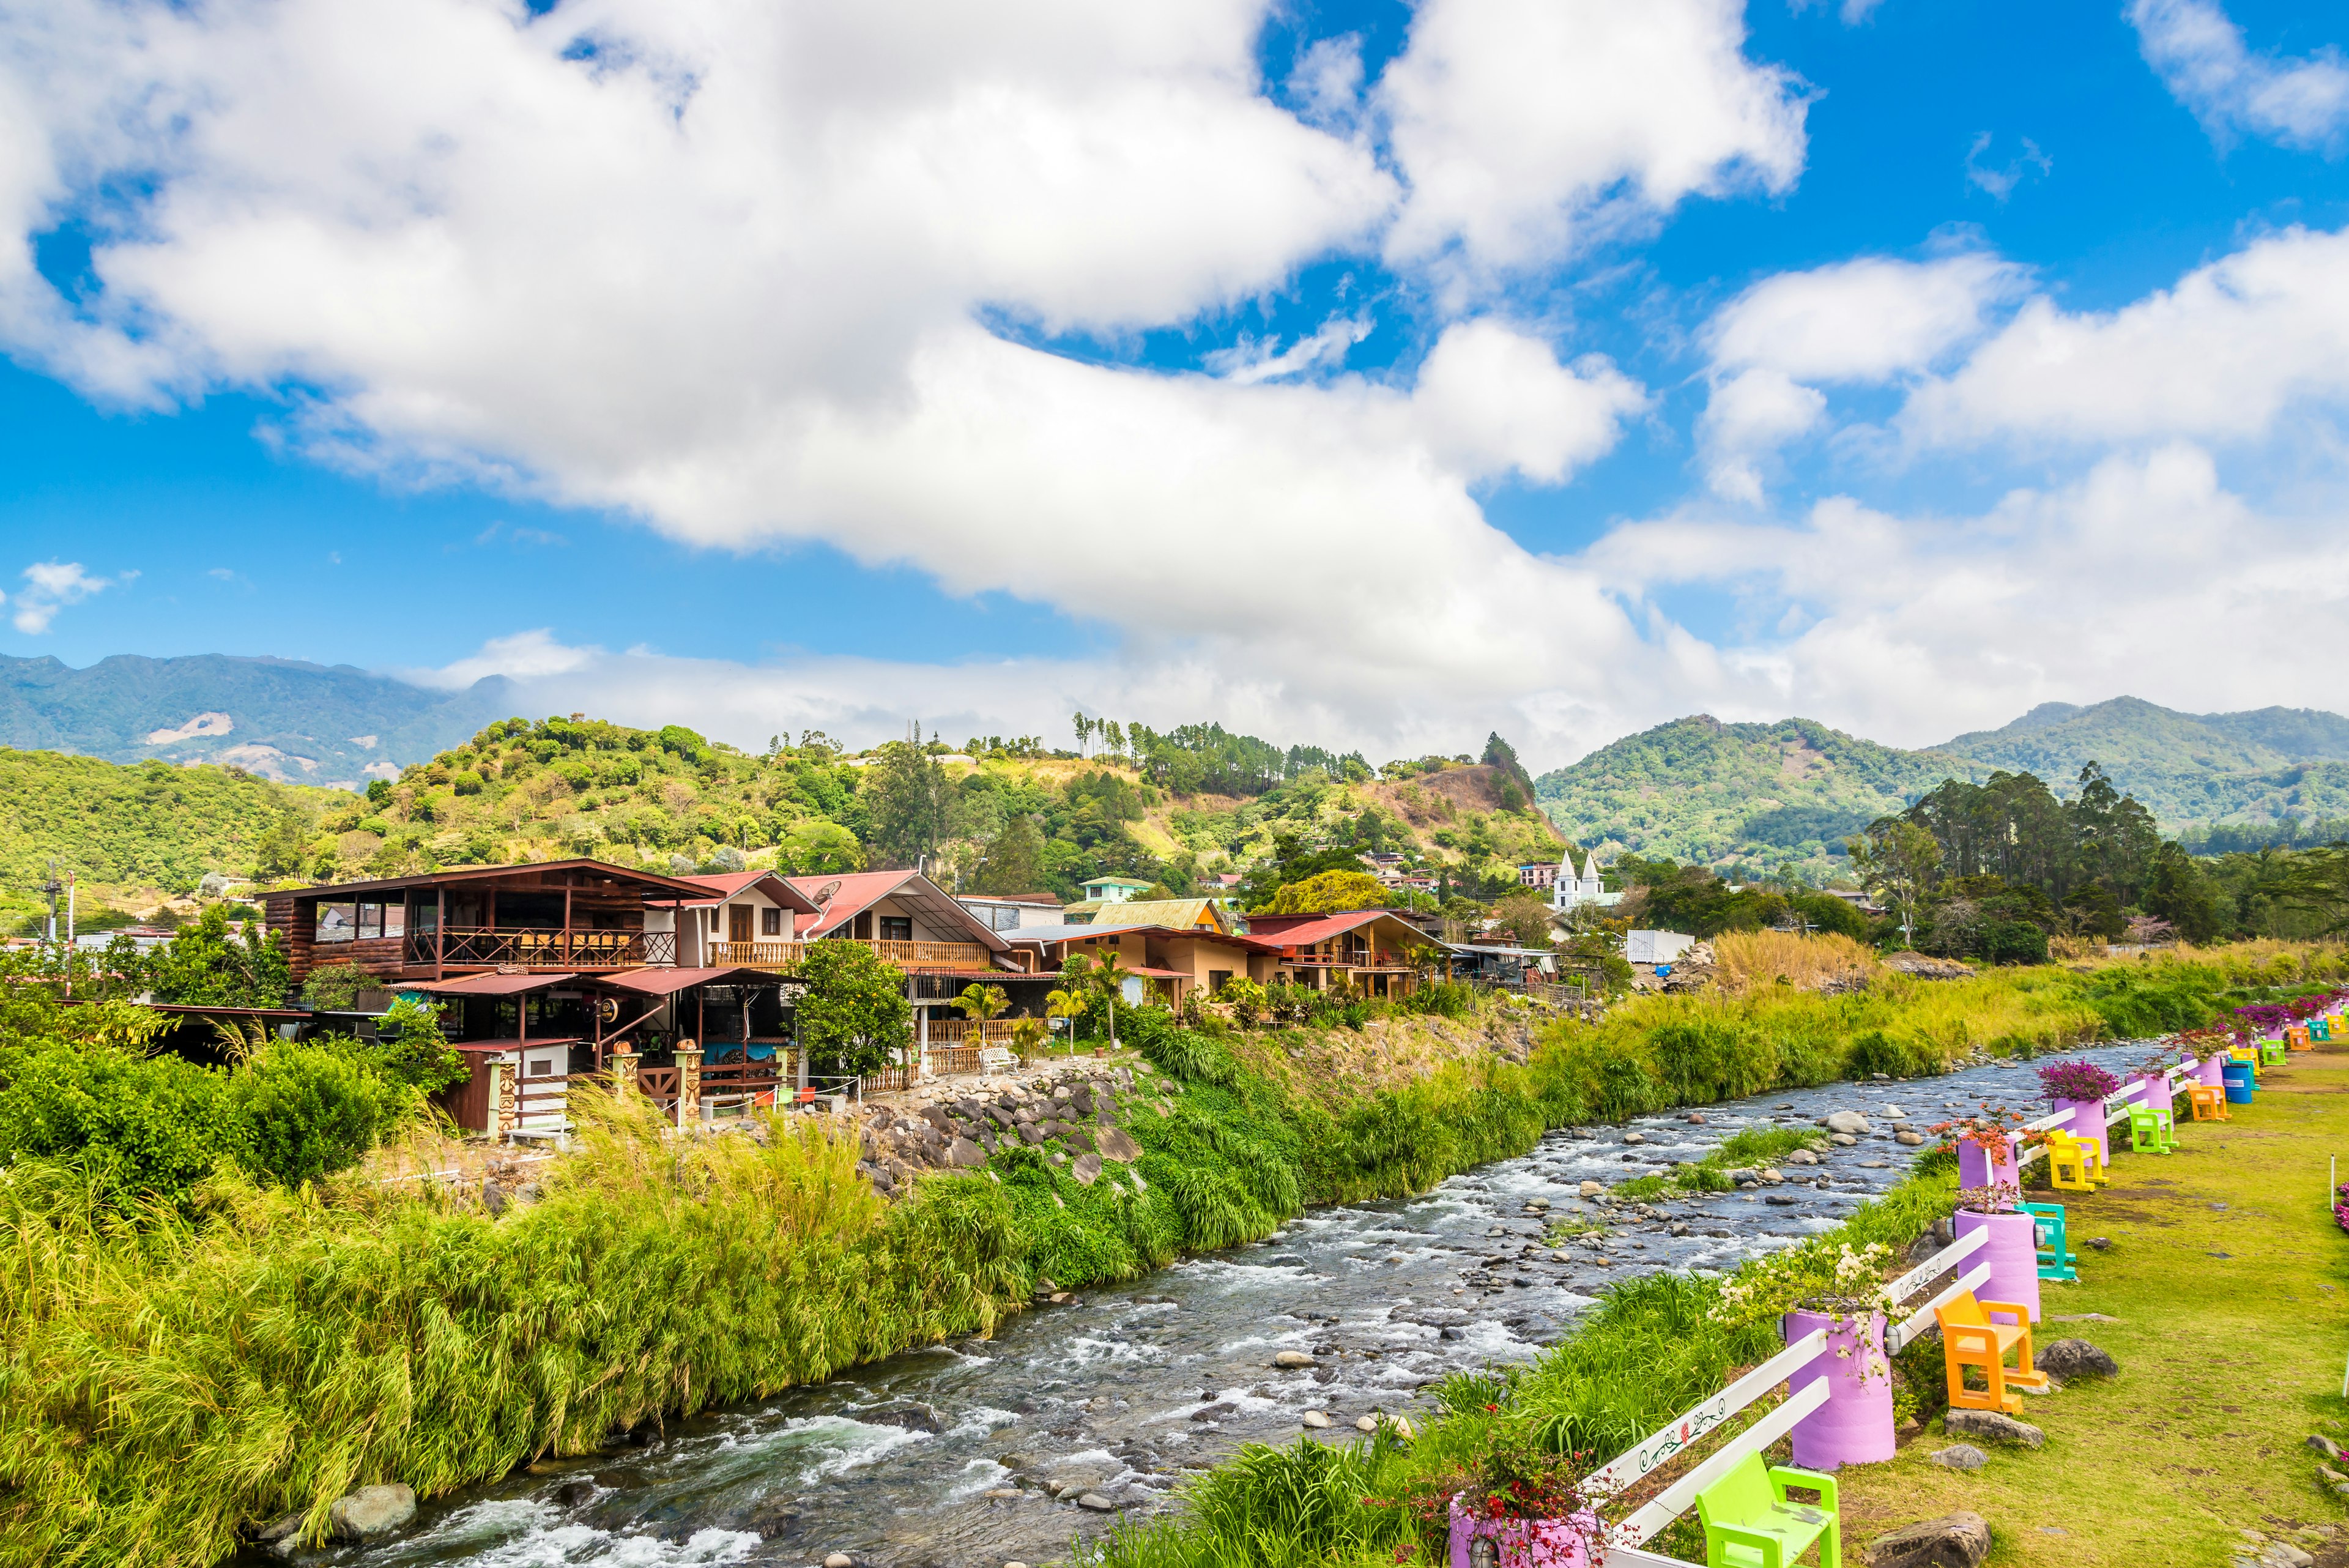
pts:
[338, 922]
[394, 919]
[370, 920]
[770, 922]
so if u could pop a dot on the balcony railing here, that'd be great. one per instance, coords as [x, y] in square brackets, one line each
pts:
[1357, 958]
[965, 1031]
[482, 947]
[787, 954]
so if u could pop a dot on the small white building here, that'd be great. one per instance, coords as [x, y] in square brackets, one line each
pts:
[1575, 887]
[1656, 947]
[1009, 911]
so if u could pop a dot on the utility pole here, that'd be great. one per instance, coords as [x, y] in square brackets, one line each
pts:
[52, 887]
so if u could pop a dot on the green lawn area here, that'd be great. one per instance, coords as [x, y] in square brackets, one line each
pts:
[2231, 1285]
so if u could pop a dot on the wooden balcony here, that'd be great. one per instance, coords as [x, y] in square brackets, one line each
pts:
[486, 947]
[966, 1032]
[904, 955]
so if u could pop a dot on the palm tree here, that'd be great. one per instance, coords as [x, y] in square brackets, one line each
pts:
[1108, 978]
[981, 1003]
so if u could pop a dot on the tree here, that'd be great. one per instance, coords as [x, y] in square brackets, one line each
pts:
[906, 793]
[1524, 917]
[854, 1010]
[2318, 881]
[981, 1003]
[1072, 998]
[280, 852]
[1327, 893]
[1014, 862]
[206, 962]
[1896, 860]
[1106, 978]
[819, 849]
[2181, 892]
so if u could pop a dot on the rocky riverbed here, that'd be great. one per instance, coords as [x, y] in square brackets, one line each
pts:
[1095, 1409]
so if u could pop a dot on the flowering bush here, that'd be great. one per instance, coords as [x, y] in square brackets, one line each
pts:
[2082, 1080]
[1821, 1275]
[1511, 1479]
[1997, 1131]
[2341, 1205]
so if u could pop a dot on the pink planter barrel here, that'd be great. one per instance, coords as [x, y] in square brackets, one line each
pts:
[1974, 1167]
[2087, 1124]
[2013, 1255]
[2209, 1073]
[1520, 1543]
[1854, 1426]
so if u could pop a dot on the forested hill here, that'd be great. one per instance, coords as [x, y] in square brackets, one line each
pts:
[279, 718]
[1760, 795]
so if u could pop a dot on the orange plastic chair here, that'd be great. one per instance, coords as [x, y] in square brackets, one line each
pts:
[1971, 1337]
[2210, 1104]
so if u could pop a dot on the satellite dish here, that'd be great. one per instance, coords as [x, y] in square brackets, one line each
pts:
[824, 894]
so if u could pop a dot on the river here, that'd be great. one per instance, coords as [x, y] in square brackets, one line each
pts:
[1114, 1397]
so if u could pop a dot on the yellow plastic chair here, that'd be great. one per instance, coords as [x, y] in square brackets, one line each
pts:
[2072, 1163]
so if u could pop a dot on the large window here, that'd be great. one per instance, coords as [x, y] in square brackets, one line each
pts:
[770, 922]
[363, 922]
[338, 922]
[897, 928]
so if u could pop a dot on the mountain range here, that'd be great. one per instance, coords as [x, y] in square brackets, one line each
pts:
[1699, 790]
[277, 718]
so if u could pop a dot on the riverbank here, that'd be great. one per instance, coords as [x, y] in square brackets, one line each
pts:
[172, 1386]
[2224, 1296]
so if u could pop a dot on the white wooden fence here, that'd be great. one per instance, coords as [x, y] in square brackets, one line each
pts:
[1683, 1431]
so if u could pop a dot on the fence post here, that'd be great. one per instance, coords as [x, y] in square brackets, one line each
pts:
[689, 1084]
[1854, 1426]
[624, 1073]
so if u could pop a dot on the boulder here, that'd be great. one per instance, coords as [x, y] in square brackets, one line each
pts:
[1314, 1419]
[1117, 1145]
[370, 1513]
[1589, 1190]
[1294, 1358]
[839, 1560]
[1842, 1140]
[1093, 1502]
[908, 1414]
[2072, 1358]
[1993, 1425]
[1961, 1457]
[1635, 1138]
[1087, 1168]
[2325, 1445]
[965, 1154]
[1801, 1156]
[1850, 1122]
[1952, 1541]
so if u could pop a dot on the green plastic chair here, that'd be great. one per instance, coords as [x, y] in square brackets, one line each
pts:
[2147, 1135]
[1749, 1523]
[2047, 1232]
[2271, 1053]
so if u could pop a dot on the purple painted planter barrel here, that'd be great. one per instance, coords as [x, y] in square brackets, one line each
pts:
[1520, 1543]
[1974, 1165]
[2087, 1124]
[2210, 1073]
[2013, 1255]
[1854, 1426]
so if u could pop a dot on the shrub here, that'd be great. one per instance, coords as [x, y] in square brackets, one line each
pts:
[133, 1125]
[1452, 999]
[311, 1110]
[336, 987]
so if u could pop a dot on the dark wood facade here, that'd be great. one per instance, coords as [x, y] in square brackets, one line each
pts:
[569, 916]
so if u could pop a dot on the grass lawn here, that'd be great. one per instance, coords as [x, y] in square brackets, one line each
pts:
[2231, 1285]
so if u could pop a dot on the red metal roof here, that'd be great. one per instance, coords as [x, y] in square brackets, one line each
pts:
[1326, 926]
[669, 982]
[487, 985]
[726, 884]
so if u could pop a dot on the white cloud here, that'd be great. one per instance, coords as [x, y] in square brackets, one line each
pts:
[50, 586]
[525, 656]
[2146, 576]
[1863, 322]
[2000, 183]
[1491, 399]
[1522, 125]
[1251, 361]
[2221, 357]
[2202, 59]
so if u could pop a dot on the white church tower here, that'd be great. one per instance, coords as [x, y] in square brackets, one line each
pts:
[1577, 887]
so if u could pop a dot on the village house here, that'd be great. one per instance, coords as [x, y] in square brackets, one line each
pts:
[1170, 963]
[1009, 911]
[1376, 951]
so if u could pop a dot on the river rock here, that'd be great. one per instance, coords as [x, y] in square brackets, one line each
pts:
[1116, 1145]
[965, 1154]
[1842, 1140]
[907, 1415]
[371, 1511]
[1366, 1423]
[1801, 1156]
[1294, 1358]
[1087, 1168]
[1961, 1457]
[1907, 1139]
[1315, 1419]
[2325, 1445]
[1590, 1190]
[1993, 1425]
[1094, 1503]
[1635, 1138]
[1952, 1541]
[2071, 1358]
[1847, 1122]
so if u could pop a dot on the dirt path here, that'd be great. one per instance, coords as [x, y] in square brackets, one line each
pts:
[2230, 1283]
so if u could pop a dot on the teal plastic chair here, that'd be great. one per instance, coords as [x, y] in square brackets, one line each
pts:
[2147, 1135]
[2047, 1230]
[1749, 1523]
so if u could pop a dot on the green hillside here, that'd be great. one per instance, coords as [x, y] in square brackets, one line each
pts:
[152, 825]
[280, 718]
[1756, 796]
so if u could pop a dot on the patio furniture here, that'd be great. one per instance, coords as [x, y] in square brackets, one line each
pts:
[1749, 1523]
[2272, 1052]
[2072, 1163]
[2210, 1104]
[2150, 1131]
[2055, 1259]
[1971, 1336]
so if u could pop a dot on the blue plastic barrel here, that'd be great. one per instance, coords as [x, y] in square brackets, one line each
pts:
[2236, 1077]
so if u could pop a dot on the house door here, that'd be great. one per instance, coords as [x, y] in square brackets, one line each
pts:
[540, 1099]
[737, 922]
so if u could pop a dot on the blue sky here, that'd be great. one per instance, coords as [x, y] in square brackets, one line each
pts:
[770, 373]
